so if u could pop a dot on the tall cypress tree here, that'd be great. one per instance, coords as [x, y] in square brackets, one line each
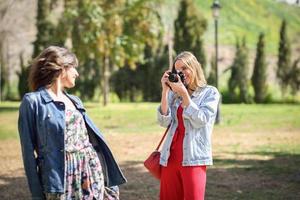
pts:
[243, 66]
[199, 52]
[284, 58]
[233, 79]
[259, 76]
[239, 74]
[294, 77]
[189, 28]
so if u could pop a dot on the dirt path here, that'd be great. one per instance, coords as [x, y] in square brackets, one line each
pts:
[241, 170]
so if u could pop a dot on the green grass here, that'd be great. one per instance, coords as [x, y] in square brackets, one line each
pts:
[256, 148]
[125, 118]
[249, 18]
[252, 117]
[8, 120]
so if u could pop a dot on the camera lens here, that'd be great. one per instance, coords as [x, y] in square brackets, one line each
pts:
[173, 77]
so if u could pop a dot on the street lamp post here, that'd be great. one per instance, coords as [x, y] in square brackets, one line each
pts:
[215, 11]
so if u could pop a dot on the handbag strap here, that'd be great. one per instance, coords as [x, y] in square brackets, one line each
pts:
[162, 139]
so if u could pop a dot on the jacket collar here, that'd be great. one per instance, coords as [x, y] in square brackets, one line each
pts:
[47, 98]
[45, 95]
[76, 101]
[198, 91]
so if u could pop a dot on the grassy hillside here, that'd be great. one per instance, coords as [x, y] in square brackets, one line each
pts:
[248, 18]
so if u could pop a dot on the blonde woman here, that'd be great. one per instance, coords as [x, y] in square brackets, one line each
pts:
[189, 107]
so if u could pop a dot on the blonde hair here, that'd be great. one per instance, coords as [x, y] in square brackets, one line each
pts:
[47, 66]
[191, 62]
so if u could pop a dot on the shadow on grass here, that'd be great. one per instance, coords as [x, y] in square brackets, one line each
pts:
[277, 177]
[274, 178]
[8, 109]
[14, 188]
[141, 185]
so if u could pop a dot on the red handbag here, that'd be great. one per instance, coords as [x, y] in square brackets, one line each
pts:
[152, 162]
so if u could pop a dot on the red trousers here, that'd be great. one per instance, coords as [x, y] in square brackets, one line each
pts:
[179, 182]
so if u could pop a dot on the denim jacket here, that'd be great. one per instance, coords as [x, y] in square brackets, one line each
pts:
[41, 127]
[199, 117]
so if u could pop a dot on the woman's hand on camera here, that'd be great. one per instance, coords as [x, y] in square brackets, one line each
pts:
[181, 90]
[178, 87]
[165, 81]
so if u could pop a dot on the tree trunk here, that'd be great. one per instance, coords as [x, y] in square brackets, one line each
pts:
[106, 76]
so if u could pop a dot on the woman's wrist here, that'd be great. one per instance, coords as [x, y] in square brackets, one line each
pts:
[185, 100]
[165, 91]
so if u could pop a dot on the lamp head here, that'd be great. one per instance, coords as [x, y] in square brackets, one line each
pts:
[215, 9]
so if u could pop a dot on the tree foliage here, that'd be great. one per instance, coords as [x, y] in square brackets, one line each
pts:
[126, 83]
[111, 33]
[45, 36]
[212, 74]
[23, 75]
[80, 27]
[189, 28]
[144, 81]
[234, 76]
[45, 27]
[284, 58]
[259, 76]
[3, 72]
[238, 83]
[151, 72]
[294, 77]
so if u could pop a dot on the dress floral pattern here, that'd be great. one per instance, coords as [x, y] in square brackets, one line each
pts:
[83, 172]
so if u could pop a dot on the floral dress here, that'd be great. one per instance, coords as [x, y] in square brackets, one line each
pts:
[83, 172]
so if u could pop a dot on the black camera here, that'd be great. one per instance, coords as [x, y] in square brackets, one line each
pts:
[173, 76]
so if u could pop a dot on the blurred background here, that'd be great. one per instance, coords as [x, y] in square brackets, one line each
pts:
[123, 46]
[249, 50]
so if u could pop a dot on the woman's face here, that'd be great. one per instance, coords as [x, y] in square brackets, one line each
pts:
[180, 67]
[68, 77]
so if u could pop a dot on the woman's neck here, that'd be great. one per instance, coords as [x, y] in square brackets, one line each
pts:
[57, 94]
[56, 89]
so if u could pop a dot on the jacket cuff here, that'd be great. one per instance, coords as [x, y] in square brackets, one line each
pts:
[163, 118]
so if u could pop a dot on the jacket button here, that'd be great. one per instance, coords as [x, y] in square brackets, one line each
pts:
[62, 150]
[48, 115]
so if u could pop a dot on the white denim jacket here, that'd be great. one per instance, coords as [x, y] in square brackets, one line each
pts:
[199, 117]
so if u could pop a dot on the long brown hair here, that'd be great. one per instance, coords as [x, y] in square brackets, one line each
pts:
[191, 62]
[47, 66]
